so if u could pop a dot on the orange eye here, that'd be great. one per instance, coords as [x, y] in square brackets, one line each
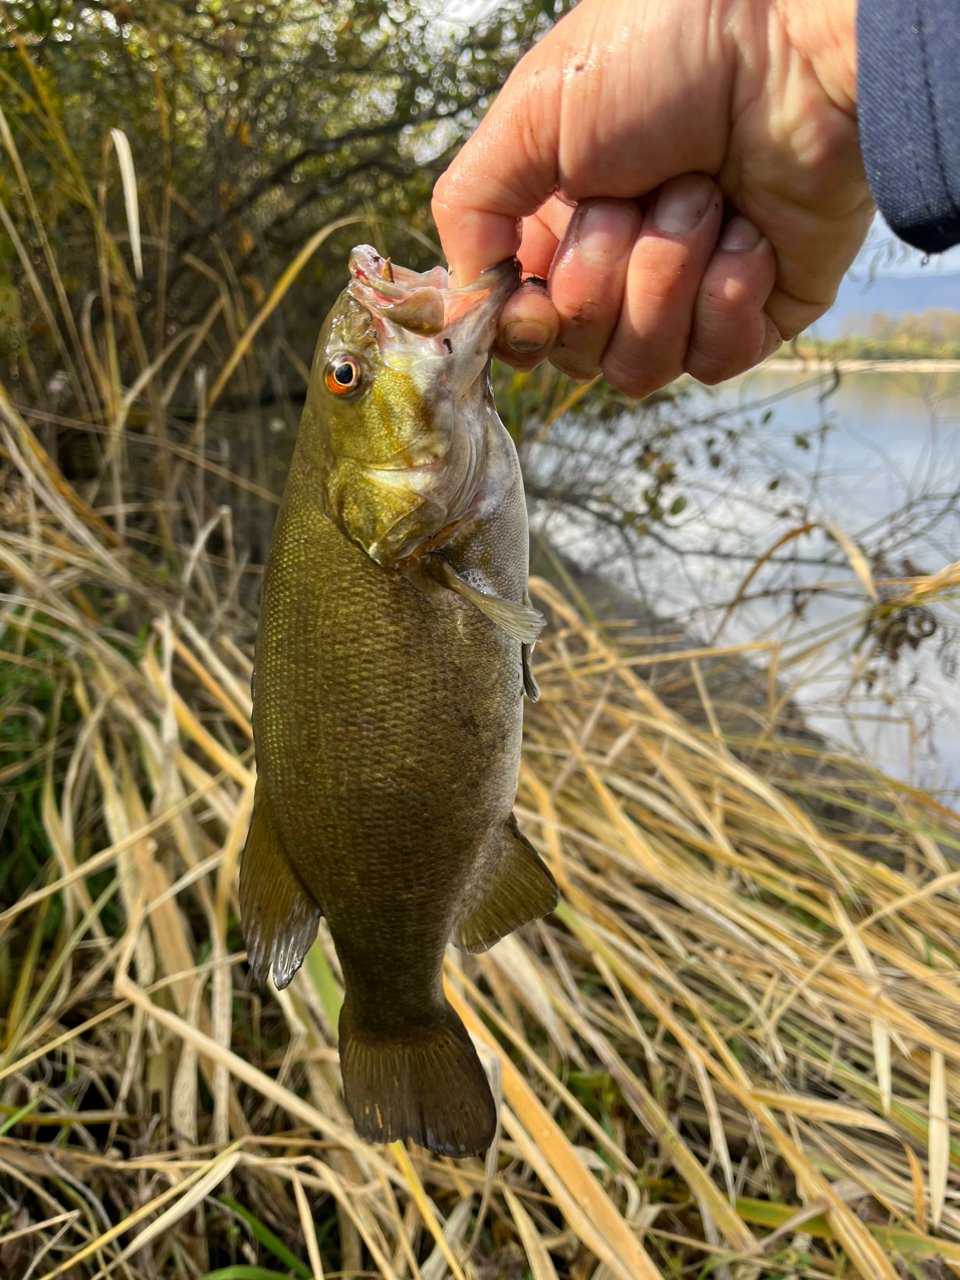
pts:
[343, 375]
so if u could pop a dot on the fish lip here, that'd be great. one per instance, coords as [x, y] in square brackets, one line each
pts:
[381, 293]
[425, 304]
[486, 294]
[491, 277]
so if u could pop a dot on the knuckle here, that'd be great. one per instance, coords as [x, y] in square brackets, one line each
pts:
[789, 331]
[637, 380]
[586, 314]
[710, 372]
[714, 361]
[576, 367]
[521, 363]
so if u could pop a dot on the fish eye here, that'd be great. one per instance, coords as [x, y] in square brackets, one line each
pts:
[343, 375]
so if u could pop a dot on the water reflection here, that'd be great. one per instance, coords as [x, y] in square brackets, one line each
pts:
[887, 397]
[873, 456]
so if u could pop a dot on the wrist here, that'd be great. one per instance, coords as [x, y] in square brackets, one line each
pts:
[825, 33]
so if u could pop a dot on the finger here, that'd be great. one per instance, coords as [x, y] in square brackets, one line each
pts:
[731, 331]
[528, 328]
[805, 188]
[587, 282]
[649, 344]
[542, 234]
[529, 323]
[562, 123]
[504, 173]
[811, 266]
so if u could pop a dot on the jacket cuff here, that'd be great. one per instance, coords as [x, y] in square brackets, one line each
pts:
[908, 107]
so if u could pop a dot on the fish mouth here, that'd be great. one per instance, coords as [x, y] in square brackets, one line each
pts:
[408, 305]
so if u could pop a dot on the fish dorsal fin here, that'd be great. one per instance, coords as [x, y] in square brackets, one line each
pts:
[517, 888]
[521, 621]
[278, 915]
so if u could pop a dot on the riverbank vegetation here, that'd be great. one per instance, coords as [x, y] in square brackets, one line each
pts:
[732, 1052]
[926, 335]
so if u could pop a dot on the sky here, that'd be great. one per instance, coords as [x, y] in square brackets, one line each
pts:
[890, 276]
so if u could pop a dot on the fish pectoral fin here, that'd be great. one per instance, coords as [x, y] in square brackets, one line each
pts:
[278, 915]
[521, 621]
[517, 888]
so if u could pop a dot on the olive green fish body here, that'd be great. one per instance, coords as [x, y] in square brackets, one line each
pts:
[387, 720]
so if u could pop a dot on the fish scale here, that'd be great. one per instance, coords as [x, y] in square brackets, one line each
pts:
[388, 701]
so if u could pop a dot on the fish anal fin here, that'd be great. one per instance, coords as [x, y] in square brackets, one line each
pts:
[521, 621]
[427, 1085]
[517, 888]
[278, 916]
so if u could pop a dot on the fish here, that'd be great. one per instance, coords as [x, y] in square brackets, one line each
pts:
[392, 657]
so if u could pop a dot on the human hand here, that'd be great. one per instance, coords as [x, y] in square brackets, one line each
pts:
[591, 166]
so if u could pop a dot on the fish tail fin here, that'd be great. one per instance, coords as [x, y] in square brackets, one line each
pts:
[427, 1085]
[279, 917]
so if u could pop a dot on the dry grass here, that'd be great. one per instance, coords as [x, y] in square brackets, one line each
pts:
[732, 1052]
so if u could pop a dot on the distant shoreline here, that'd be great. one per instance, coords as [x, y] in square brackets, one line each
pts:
[795, 364]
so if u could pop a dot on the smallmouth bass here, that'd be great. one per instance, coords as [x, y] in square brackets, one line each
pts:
[393, 652]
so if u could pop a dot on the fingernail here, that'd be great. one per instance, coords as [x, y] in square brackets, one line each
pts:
[523, 336]
[605, 231]
[739, 236]
[682, 204]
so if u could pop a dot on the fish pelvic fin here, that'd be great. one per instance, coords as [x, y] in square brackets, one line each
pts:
[517, 888]
[427, 1085]
[521, 621]
[530, 686]
[278, 916]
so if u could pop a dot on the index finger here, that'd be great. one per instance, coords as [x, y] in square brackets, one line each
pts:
[504, 172]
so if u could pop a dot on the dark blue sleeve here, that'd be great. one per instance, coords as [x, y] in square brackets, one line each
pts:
[908, 106]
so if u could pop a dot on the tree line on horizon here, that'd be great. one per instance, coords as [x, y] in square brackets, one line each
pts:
[878, 335]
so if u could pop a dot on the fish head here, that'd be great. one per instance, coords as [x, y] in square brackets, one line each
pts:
[395, 424]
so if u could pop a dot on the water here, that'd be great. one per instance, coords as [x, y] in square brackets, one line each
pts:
[875, 458]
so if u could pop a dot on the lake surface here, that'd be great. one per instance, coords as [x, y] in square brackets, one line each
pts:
[873, 456]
